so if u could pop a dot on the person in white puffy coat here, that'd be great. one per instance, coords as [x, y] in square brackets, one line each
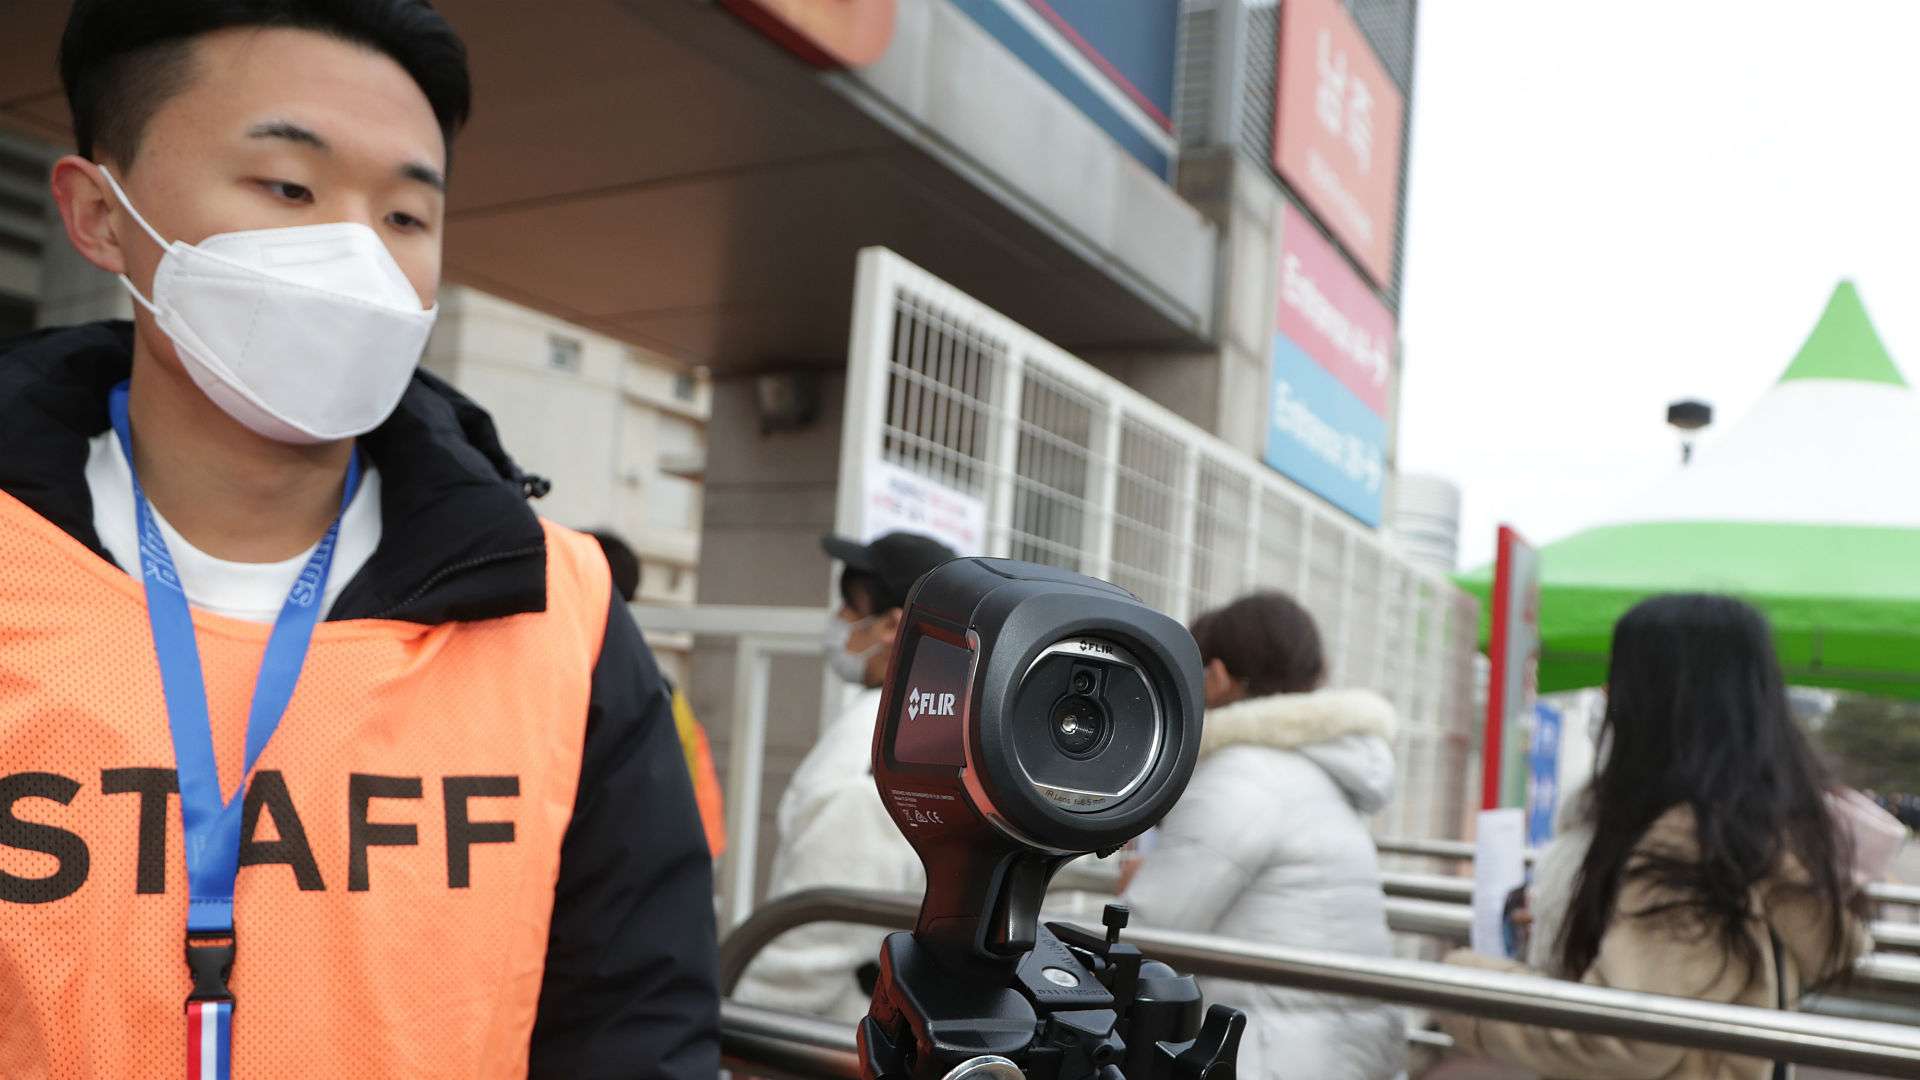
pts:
[1271, 844]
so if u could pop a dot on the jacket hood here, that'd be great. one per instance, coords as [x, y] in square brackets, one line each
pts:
[1347, 733]
[458, 542]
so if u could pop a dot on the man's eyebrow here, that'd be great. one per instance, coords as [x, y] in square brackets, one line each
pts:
[427, 175]
[286, 129]
[292, 132]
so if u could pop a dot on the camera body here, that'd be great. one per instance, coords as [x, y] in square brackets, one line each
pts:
[1032, 715]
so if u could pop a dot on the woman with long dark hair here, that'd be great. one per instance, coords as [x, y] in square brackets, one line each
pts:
[1714, 869]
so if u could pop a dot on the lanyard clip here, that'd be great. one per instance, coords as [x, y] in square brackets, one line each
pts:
[210, 960]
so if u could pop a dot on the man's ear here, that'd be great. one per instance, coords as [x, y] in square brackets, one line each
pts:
[890, 623]
[1217, 684]
[87, 208]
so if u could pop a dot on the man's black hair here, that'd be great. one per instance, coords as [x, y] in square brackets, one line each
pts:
[120, 60]
[864, 594]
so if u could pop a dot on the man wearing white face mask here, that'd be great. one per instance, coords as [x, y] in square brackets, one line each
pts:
[834, 831]
[326, 754]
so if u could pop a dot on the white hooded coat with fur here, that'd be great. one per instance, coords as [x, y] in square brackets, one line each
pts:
[1271, 844]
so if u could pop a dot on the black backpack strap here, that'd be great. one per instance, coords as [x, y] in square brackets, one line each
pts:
[1781, 1069]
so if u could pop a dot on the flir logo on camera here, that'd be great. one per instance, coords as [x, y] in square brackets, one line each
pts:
[927, 703]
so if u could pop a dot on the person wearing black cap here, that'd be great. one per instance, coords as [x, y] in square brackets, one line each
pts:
[873, 598]
[834, 831]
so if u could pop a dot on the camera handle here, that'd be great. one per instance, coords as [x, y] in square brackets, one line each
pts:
[983, 899]
[1076, 1006]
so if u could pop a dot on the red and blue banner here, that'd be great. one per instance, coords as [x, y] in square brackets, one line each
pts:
[1113, 62]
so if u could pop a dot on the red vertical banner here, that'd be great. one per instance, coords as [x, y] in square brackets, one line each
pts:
[1514, 649]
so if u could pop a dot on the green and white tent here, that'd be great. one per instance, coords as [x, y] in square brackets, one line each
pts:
[1808, 507]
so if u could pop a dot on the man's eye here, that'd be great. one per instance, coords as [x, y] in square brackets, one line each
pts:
[286, 190]
[400, 219]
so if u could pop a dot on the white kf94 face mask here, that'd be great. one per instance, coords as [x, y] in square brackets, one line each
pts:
[851, 667]
[305, 334]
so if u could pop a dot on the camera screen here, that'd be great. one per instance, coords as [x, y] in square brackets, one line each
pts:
[928, 728]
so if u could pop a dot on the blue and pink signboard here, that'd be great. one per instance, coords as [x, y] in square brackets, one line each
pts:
[1333, 348]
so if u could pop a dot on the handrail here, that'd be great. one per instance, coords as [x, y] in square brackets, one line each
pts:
[1735, 1029]
[1895, 936]
[1459, 850]
[1454, 890]
[734, 620]
[1429, 918]
[1449, 888]
[1884, 971]
[1889, 892]
[890, 911]
[766, 1042]
[1880, 892]
[1454, 921]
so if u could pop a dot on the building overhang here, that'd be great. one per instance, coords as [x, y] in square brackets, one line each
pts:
[664, 173]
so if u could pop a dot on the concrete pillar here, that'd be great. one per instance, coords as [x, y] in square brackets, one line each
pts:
[769, 499]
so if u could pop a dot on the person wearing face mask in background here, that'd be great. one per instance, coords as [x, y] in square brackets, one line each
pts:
[327, 752]
[834, 831]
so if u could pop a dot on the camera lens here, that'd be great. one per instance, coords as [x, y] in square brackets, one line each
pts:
[1086, 725]
[1078, 724]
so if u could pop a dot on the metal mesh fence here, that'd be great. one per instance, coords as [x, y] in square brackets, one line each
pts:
[1079, 471]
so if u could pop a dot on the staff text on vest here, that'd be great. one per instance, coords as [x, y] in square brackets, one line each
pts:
[375, 817]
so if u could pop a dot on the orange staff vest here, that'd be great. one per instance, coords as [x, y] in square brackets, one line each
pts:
[401, 840]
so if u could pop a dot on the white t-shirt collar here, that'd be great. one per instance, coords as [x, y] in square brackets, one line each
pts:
[254, 592]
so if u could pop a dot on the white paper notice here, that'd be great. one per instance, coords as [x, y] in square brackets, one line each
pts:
[1498, 868]
[902, 500]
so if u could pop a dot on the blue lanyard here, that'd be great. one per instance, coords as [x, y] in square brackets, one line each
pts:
[211, 823]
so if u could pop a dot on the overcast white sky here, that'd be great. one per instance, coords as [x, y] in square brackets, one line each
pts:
[1616, 203]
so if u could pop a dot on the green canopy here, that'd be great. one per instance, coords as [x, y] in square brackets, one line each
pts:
[1808, 507]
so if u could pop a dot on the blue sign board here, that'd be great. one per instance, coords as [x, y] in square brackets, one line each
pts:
[1322, 435]
[1112, 61]
[1543, 773]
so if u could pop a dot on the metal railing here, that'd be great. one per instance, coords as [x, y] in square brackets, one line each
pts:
[1436, 904]
[1806, 1038]
[1460, 850]
[1447, 886]
[1444, 887]
[1454, 922]
[1459, 890]
[767, 1042]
